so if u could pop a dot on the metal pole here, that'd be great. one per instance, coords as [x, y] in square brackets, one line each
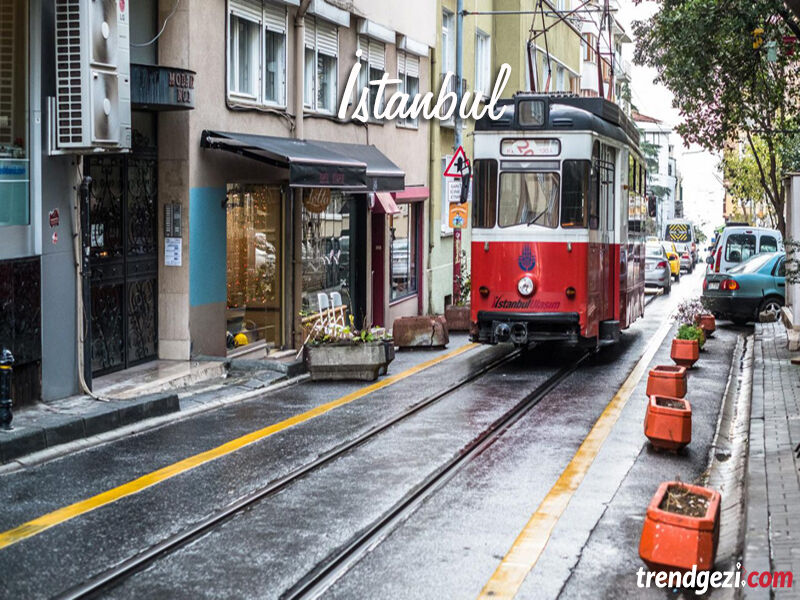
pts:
[457, 144]
[6, 372]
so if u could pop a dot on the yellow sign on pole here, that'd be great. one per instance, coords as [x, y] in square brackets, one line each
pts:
[459, 214]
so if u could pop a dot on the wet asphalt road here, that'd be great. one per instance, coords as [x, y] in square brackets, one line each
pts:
[446, 549]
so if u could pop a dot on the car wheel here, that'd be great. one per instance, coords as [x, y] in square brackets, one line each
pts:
[771, 306]
[668, 287]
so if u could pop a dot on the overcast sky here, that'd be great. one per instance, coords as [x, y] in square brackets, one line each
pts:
[702, 186]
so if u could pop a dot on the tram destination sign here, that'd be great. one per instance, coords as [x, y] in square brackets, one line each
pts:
[530, 147]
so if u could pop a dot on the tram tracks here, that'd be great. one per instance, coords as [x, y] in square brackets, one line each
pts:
[326, 573]
[120, 572]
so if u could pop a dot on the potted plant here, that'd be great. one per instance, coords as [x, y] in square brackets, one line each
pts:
[457, 314]
[686, 345]
[667, 380]
[668, 423]
[335, 352]
[681, 528]
[706, 321]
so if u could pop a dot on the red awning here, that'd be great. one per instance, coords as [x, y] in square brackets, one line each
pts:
[385, 204]
[412, 194]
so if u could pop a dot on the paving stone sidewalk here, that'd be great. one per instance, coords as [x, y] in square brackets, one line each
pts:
[772, 537]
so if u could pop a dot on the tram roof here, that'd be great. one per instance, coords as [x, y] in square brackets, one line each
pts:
[563, 112]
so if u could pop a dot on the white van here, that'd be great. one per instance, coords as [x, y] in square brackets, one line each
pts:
[681, 231]
[736, 244]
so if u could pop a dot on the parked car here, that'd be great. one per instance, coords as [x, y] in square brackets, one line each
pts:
[746, 290]
[673, 258]
[657, 271]
[737, 244]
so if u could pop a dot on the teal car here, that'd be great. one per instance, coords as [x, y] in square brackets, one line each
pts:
[755, 286]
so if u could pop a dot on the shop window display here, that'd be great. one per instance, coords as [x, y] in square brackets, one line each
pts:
[327, 265]
[403, 230]
[253, 265]
[14, 158]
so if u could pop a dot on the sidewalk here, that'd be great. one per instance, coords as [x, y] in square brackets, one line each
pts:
[773, 480]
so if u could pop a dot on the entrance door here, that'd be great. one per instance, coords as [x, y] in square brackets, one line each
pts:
[123, 259]
[378, 268]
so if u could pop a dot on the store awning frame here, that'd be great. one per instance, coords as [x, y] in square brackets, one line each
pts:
[312, 163]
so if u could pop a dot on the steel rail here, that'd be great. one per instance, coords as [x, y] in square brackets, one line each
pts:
[115, 575]
[325, 574]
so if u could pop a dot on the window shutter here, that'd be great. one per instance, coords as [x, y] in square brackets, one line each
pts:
[377, 55]
[363, 45]
[412, 66]
[249, 9]
[401, 63]
[328, 38]
[275, 17]
[311, 33]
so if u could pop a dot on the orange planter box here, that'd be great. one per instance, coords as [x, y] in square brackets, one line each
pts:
[673, 542]
[667, 427]
[707, 323]
[685, 352]
[667, 380]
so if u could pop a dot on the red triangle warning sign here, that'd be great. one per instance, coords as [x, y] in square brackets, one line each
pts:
[458, 164]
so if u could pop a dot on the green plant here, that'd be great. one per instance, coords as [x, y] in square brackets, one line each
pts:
[691, 332]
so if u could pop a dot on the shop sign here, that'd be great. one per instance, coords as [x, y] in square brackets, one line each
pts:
[316, 200]
[162, 88]
[459, 213]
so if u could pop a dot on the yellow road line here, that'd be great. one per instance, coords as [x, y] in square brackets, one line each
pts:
[31, 528]
[531, 542]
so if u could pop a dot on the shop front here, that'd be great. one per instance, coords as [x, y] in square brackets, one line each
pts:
[298, 248]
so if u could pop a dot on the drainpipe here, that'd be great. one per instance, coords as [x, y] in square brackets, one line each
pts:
[297, 206]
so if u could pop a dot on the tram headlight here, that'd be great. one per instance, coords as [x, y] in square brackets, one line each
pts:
[525, 286]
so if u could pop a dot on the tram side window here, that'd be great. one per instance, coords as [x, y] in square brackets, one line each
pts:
[575, 192]
[528, 198]
[607, 184]
[484, 187]
[594, 189]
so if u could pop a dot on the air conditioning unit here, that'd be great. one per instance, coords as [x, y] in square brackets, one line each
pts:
[93, 83]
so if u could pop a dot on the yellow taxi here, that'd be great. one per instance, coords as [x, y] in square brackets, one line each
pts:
[674, 259]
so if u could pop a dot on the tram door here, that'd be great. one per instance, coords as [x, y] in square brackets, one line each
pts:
[607, 205]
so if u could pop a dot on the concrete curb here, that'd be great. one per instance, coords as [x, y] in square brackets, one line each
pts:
[65, 428]
[728, 460]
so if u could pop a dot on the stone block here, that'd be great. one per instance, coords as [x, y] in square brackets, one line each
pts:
[420, 332]
[457, 317]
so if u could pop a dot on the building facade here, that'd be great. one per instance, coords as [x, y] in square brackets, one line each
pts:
[663, 177]
[242, 203]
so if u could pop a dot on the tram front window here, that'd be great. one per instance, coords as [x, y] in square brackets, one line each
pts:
[528, 198]
[575, 193]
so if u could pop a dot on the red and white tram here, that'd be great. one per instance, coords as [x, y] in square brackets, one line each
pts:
[558, 222]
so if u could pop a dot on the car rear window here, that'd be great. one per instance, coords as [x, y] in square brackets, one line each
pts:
[768, 244]
[754, 264]
[739, 247]
[655, 251]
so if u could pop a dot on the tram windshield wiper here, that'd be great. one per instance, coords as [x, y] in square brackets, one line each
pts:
[539, 216]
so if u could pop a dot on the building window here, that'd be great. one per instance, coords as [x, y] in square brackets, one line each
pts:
[408, 74]
[321, 65]
[448, 42]
[403, 229]
[588, 47]
[483, 64]
[257, 52]
[373, 67]
[14, 158]
[253, 265]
